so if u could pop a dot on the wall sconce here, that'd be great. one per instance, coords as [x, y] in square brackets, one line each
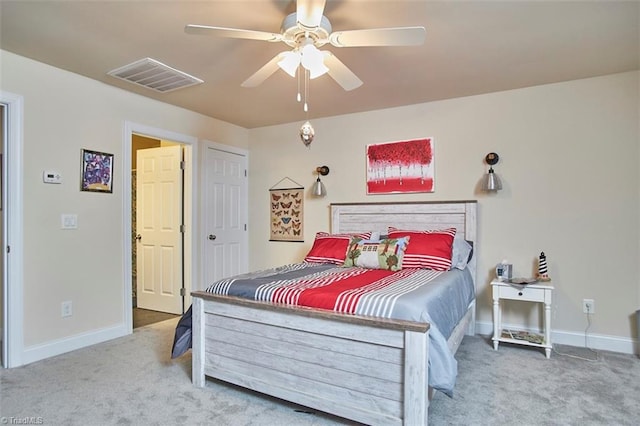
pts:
[318, 189]
[491, 181]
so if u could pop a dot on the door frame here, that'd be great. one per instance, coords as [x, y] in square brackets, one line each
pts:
[190, 263]
[12, 279]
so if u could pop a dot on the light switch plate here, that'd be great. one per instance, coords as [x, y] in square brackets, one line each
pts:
[69, 221]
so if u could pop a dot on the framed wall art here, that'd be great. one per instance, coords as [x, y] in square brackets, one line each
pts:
[96, 173]
[286, 206]
[400, 167]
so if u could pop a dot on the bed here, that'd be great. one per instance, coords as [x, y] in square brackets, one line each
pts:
[371, 369]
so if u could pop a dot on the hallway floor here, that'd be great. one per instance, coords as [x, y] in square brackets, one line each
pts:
[142, 317]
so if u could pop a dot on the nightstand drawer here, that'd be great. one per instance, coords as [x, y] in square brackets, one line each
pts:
[528, 294]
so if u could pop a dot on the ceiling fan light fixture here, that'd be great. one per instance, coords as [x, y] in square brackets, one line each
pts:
[317, 71]
[290, 62]
[313, 60]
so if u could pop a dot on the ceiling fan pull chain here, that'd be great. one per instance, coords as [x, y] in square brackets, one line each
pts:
[299, 97]
[306, 89]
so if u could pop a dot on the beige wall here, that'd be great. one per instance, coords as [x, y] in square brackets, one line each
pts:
[64, 112]
[569, 165]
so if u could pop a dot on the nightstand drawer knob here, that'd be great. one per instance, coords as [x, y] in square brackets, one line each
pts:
[519, 293]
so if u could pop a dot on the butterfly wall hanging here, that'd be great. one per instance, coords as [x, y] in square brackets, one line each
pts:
[286, 206]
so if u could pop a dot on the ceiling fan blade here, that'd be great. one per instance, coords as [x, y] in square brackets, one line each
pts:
[265, 72]
[231, 33]
[309, 12]
[401, 36]
[340, 73]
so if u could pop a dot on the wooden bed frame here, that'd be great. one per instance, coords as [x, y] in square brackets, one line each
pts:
[366, 369]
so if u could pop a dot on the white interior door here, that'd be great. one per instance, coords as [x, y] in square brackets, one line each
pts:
[225, 215]
[159, 229]
[3, 244]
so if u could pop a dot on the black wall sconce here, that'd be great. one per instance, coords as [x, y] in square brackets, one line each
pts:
[318, 189]
[491, 182]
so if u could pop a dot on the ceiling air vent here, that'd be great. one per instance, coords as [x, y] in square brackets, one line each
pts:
[155, 75]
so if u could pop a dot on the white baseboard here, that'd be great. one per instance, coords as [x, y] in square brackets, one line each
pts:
[594, 341]
[68, 344]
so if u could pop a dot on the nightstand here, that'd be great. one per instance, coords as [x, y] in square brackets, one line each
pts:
[538, 292]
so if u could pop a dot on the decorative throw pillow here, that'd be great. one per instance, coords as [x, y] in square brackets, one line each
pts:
[332, 248]
[385, 254]
[428, 249]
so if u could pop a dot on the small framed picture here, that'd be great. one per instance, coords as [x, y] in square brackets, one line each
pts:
[96, 174]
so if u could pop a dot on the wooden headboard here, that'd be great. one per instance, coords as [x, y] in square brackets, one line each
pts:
[362, 217]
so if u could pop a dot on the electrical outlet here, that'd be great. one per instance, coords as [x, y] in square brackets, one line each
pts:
[66, 309]
[588, 306]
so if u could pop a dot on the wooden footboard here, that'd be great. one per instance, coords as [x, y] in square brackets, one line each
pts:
[370, 370]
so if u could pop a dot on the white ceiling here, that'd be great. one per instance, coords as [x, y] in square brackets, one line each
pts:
[472, 47]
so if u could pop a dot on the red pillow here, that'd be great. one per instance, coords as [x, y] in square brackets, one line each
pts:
[331, 248]
[428, 249]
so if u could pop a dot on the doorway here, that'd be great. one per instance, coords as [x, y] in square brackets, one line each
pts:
[157, 185]
[12, 261]
[173, 281]
[3, 143]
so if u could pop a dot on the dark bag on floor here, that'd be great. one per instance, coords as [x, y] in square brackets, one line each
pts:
[182, 339]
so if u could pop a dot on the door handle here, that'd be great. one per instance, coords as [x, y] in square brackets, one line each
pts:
[139, 237]
[212, 237]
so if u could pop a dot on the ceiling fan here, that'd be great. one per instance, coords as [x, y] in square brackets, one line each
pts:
[306, 30]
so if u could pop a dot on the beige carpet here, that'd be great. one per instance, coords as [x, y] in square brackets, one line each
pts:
[133, 381]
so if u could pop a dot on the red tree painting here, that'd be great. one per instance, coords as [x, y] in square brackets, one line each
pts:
[400, 167]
